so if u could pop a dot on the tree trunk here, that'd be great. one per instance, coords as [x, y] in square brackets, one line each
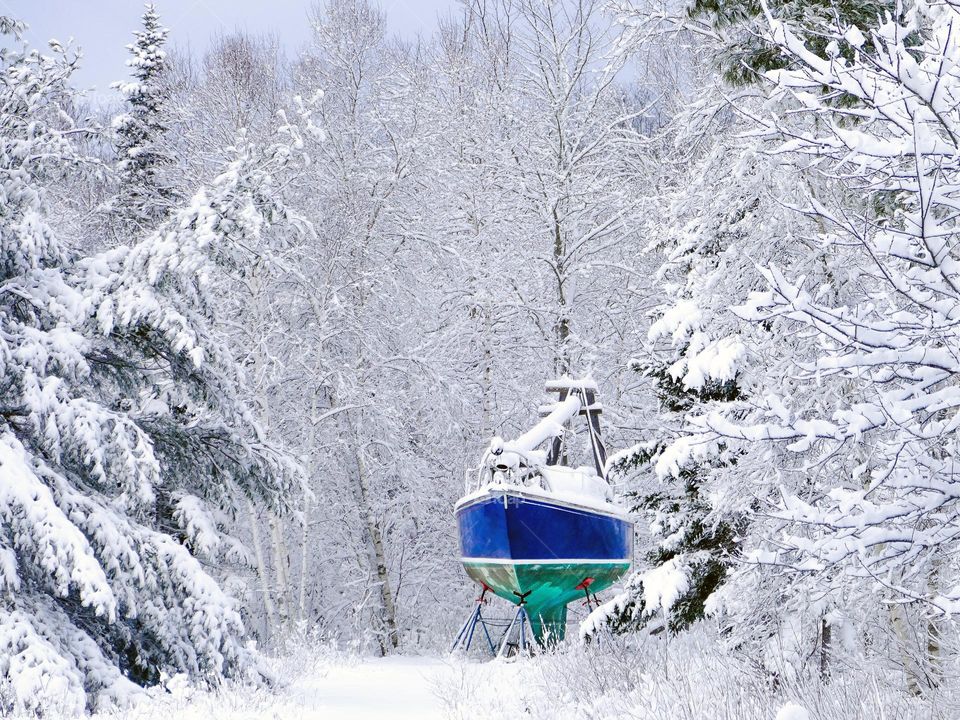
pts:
[934, 630]
[373, 537]
[562, 360]
[307, 509]
[281, 559]
[304, 538]
[280, 556]
[899, 624]
[486, 422]
[826, 642]
[262, 571]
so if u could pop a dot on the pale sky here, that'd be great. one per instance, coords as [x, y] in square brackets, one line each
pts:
[102, 28]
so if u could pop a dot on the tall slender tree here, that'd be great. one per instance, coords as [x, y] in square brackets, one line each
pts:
[146, 192]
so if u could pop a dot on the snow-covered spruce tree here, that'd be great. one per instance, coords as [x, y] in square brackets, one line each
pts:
[736, 27]
[747, 52]
[145, 194]
[694, 358]
[123, 438]
[867, 419]
[690, 548]
[239, 90]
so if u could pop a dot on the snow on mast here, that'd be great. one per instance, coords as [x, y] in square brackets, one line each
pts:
[576, 397]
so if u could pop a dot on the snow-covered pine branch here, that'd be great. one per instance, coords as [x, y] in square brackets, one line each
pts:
[120, 413]
[711, 226]
[872, 415]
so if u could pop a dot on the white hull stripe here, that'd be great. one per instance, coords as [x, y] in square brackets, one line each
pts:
[570, 561]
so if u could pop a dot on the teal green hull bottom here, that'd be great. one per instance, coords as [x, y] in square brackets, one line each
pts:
[547, 587]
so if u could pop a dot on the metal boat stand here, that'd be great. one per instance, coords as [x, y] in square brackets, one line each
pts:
[523, 644]
[591, 603]
[465, 637]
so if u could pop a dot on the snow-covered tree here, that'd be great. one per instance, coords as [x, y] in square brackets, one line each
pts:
[852, 434]
[541, 189]
[710, 226]
[370, 364]
[146, 192]
[572, 174]
[124, 437]
[239, 92]
[739, 47]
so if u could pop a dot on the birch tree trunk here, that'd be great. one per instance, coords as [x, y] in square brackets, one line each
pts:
[281, 559]
[826, 643]
[899, 624]
[307, 509]
[262, 570]
[280, 556]
[934, 632]
[372, 535]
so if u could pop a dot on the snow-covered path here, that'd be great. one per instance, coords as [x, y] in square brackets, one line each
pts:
[399, 688]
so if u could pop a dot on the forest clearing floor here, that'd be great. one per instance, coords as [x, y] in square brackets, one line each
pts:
[629, 678]
[401, 687]
[397, 687]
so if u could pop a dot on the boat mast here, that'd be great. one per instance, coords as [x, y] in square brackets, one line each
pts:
[586, 392]
[575, 397]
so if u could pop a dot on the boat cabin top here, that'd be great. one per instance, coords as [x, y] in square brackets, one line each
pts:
[522, 463]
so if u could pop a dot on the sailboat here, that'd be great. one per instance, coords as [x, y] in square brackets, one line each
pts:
[535, 530]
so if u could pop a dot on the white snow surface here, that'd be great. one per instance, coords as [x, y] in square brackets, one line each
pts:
[397, 687]
[792, 711]
[611, 680]
[331, 686]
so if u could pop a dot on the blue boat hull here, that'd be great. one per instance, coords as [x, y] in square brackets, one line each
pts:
[547, 553]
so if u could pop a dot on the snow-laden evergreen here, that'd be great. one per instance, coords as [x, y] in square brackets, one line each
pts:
[713, 227]
[121, 420]
[894, 512]
[146, 192]
[889, 511]
[843, 441]
[737, 217]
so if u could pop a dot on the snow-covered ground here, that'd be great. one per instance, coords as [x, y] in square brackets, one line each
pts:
[404, 688]
[398, 687]
[647, 680]
[338, 687]
[345, 687]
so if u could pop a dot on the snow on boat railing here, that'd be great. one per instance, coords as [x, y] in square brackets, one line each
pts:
[518, 462]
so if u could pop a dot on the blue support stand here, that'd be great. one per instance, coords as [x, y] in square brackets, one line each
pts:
[465, 636]
[523, 644]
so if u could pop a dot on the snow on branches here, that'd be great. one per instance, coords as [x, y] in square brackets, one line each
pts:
[874, 407]
[121, 413]
[145, 195]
